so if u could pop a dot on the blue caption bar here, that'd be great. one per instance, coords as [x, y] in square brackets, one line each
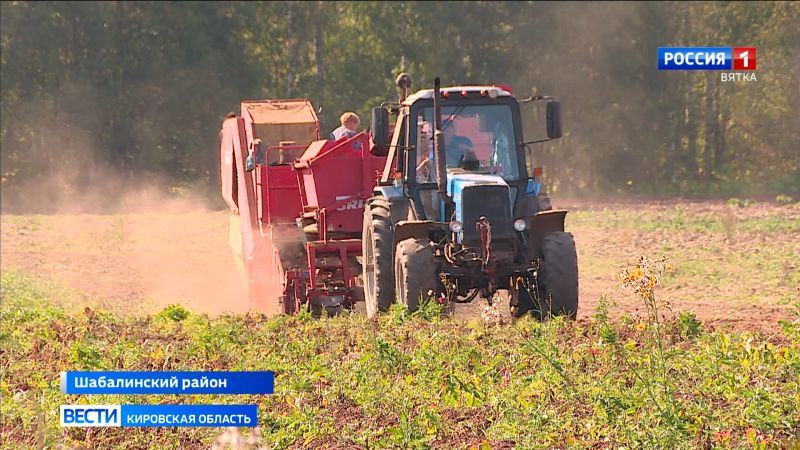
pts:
[695, 58]
[189, 415]
[167, 382]
[159, 415]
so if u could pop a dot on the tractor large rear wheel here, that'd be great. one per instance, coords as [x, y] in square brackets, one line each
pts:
[559, 276]
[376, 251]
[414, 272]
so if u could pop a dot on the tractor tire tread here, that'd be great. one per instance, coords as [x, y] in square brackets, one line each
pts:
[378, 219]
[559, 275]
[415, 272]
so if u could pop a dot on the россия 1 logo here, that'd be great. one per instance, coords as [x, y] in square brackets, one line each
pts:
[744, 58]
[711, 58]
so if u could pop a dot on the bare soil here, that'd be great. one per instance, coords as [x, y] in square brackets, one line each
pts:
[131, 261]
[146, 260]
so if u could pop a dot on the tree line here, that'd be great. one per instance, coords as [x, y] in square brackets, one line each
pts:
[139, 88]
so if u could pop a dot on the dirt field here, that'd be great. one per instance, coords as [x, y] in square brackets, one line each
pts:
[735, 266]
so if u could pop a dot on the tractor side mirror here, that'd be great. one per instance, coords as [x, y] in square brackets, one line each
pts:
[380, 127]
[553, 120]
[261, 153]
[249, 162]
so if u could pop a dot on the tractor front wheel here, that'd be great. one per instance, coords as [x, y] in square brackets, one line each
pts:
[559, 276]
[414, 272]
[555, 291]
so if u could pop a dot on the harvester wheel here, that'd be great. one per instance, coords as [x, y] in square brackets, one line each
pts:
[376, 252]
[559, 276]
[415, 272]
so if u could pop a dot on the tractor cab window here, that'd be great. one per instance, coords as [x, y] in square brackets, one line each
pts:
[478, 139]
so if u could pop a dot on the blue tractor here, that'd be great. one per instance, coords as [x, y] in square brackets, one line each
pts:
[459, 212]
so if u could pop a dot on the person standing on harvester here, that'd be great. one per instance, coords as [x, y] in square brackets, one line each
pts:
[349, 122]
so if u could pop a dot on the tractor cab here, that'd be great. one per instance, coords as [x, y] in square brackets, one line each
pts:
[481, 132]
[479, 138]
[461, 207]
[479, 128]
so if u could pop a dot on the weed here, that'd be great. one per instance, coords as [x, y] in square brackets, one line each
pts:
[176, 313]
[602, 321]
[86, 356]
[733, 201]
[643, 278]
[429, 309]
[689, 326]
[792, 327]
[729, 225]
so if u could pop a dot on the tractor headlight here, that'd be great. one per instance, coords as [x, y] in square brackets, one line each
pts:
[520, 225]
[456, 227]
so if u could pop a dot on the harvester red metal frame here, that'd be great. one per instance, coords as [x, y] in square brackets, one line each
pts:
[296, 215]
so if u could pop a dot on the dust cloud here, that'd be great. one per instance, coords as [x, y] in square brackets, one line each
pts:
[576, 49]
[128, 244]
[121, 237]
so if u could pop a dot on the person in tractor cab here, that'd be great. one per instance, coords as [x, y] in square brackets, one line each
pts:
[458, 153]
[350, 122]
[456, 147]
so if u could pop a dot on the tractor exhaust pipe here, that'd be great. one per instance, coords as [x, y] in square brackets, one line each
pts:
[403, 81]
[438, 144]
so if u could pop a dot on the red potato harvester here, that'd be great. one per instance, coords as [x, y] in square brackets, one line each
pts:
[296, 206]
